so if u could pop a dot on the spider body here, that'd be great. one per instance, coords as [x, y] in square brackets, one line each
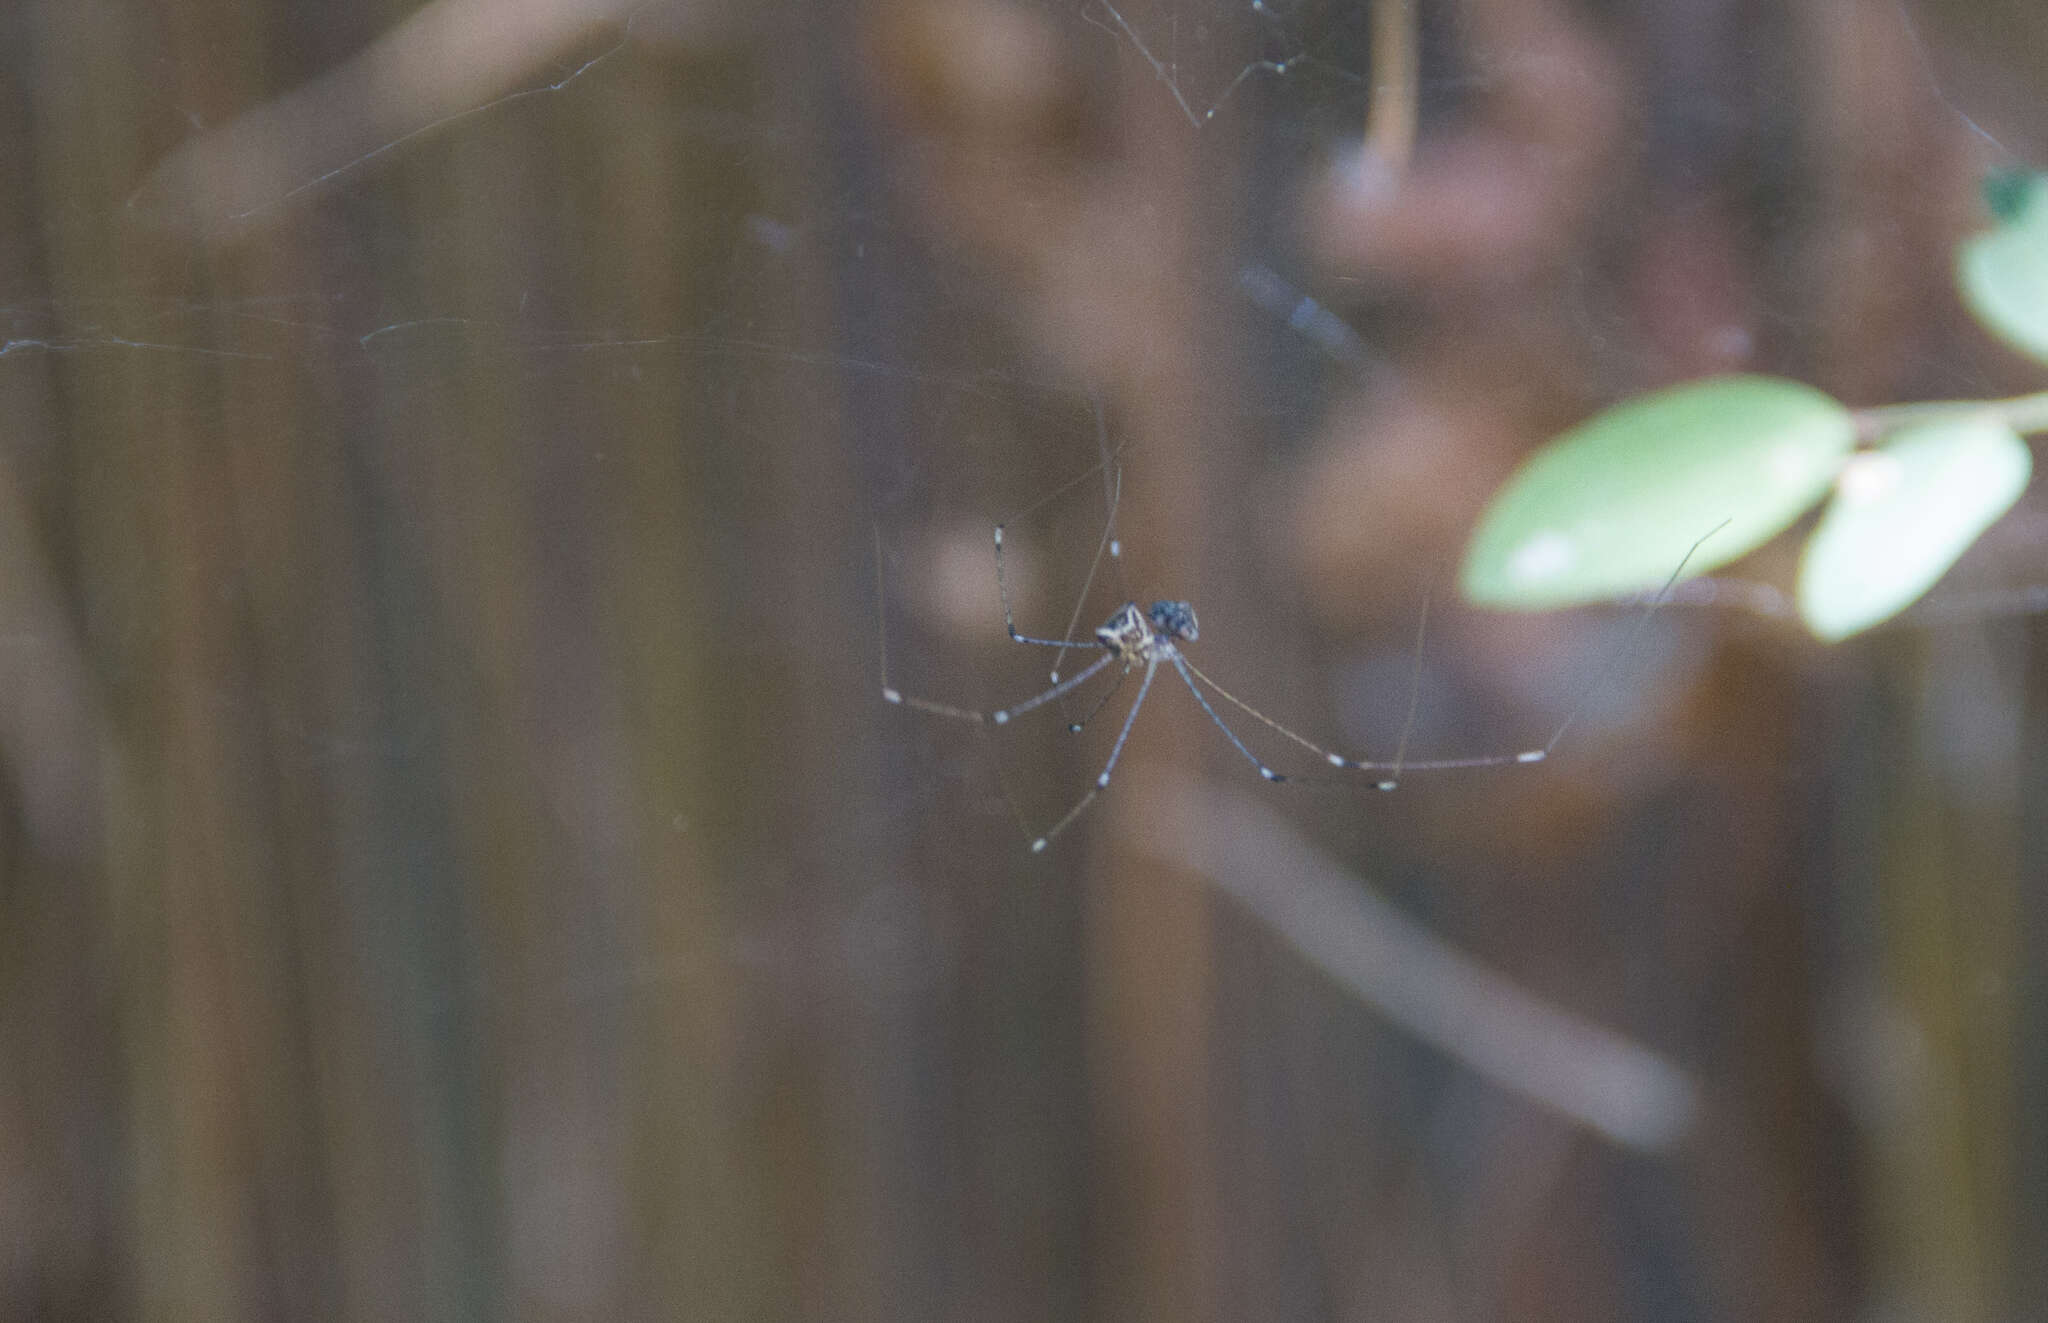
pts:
[1138, 637]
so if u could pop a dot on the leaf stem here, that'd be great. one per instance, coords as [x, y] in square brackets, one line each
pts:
[2024, 414]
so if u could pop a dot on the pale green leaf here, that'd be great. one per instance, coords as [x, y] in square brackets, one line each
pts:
[2003, 272]
[1901, 517]
[1615, 504]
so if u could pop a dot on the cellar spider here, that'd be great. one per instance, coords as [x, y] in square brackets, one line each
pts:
[1142, 640]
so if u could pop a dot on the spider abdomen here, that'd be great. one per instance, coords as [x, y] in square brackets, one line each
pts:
[1174, 619]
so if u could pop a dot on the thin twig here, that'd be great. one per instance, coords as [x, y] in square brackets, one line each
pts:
[1593, 1076]
[2022, 413]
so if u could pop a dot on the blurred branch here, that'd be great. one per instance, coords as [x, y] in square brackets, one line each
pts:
[1591, 1075]
[56, 741]
[2023, 413]
[446, 62]
[1390, 117]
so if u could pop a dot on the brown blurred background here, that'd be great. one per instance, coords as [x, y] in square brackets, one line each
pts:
[457, 863]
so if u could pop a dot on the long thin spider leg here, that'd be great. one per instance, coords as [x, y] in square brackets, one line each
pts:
[1058, 643]
[1628, 644]
[1414, 684]
[1076, 727]
[937, 709]
[1067, 685]
[1436, 764]
[1112, 501]
[1338, 759]
[1010, 620]
[1181, 664]
[897, 696]
[1000, 716]
[889, 691]
[1108, 545]
[1113, 493]
[1116, 752]
[1108, 458]
[1400, 764]
[1113, 480]
[1334, 759]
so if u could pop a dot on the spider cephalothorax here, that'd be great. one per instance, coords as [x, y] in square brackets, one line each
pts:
[1139, 636]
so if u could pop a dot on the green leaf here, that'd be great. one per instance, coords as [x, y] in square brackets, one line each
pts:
[1614, 505]
[1901, 517]
[2009, 192]
[2003, 273]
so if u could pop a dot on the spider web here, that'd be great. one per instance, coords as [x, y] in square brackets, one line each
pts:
[559, 643]
[1193, 59]
[1297, 70]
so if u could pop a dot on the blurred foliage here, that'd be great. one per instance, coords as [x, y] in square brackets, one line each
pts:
[1619, 504]
[2003, 272]
[1602, 510]
[1905, 513]
[457, 864]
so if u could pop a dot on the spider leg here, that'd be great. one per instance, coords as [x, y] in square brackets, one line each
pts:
[1076, 727]
[1107, 546]
[1113, 493]
[1116, 752]
[1598, 679]
[999, 717]
[1010, 620]
[1334, 759]
[1401, 762]
[1072, 682]
[1183, 665]
[1361, 764]
[1112, 482]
